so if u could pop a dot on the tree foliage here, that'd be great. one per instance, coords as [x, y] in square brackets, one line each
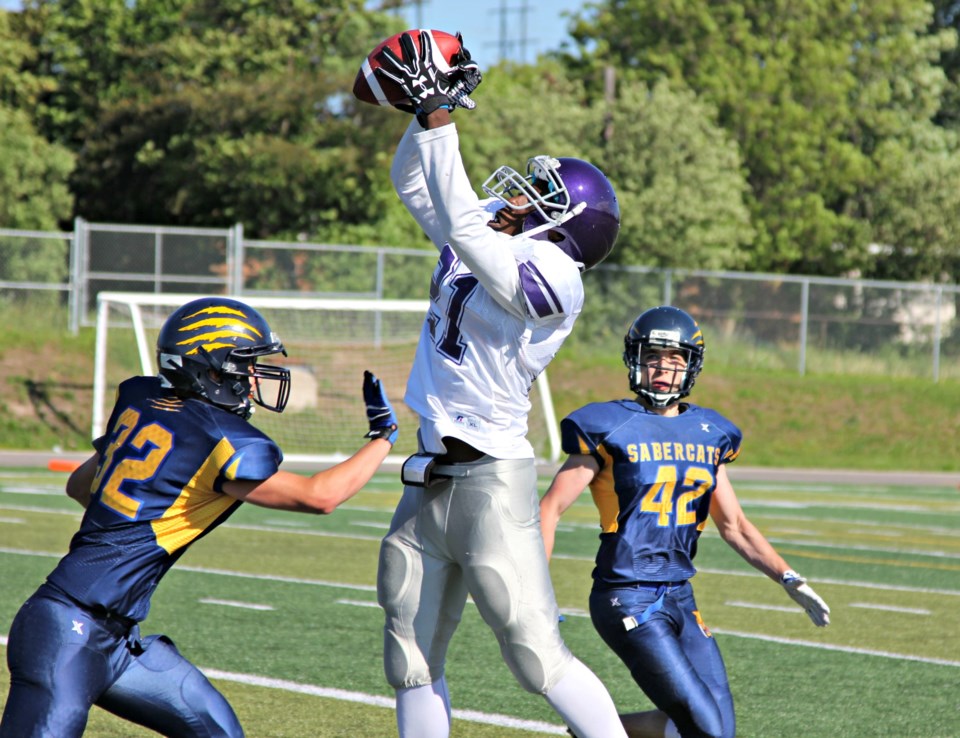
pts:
[812, 91]
[809, 136]
[680, 181]
[33, 176]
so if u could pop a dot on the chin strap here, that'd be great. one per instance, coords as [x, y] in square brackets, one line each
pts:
[550, 224]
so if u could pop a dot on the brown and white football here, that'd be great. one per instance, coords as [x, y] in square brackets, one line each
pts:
[373, 89]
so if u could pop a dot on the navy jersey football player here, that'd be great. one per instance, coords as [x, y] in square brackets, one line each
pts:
[657, 468]
[178, 457]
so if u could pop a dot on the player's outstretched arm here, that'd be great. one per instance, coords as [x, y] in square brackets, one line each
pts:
[323, 492]
[744, 538]
[574, 476]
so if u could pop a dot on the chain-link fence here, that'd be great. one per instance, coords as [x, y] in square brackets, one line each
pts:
[805, 324]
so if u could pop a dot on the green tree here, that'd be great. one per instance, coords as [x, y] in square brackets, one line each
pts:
[33, 196]
[206, 113]
[680, 181]
[809, 89]
[678, 176]
[915, 206]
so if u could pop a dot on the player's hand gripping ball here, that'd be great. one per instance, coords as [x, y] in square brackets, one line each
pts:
[453, 62]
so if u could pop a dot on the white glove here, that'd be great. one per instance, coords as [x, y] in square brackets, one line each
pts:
[803, 595]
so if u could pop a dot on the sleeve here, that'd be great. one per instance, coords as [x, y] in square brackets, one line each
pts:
[463, 222]
[575, 439]
[410, 184]
[253, 461]
[733, 439]
[550, 283]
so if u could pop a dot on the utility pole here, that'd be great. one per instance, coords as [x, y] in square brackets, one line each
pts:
[505, 42]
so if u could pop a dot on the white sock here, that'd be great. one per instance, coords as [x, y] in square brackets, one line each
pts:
[424, 712]
[585, 705]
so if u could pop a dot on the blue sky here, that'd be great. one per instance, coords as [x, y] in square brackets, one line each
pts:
[485, 33]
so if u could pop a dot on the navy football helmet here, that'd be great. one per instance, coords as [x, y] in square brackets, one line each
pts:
[209, 348]
[574, 205]
[663, 327]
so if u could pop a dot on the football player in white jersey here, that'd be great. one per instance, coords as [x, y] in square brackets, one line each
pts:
[505, 294]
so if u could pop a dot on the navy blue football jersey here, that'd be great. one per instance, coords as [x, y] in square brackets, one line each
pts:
[657, 475]
[158, 488]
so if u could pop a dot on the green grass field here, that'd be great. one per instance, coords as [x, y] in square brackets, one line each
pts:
[280, 611]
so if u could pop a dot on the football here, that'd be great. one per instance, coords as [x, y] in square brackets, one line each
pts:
[375, 90]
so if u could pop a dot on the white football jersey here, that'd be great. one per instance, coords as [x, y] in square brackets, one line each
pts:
[500, 307]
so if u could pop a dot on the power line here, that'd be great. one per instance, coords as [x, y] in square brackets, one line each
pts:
[505, 42]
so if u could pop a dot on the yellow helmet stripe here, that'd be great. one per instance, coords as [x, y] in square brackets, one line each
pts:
[219, 323]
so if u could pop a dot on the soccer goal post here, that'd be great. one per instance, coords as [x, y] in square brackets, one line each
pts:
[329, 343]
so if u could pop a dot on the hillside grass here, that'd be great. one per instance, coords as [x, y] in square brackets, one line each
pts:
[839, 421]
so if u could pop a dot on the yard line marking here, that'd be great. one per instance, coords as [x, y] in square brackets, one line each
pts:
[830, 647]
[890, 608]
[287, 523]
[473, 716]
[27, 508]
[358, 603]
[13, 521]
[372, 588]
[838, 582]
[880, 506]
[275, 578]
[233, 603]
[758, 606]
[319, 533]
[501, 721]
[845, 583]
[861, 547]
[38, 491]
[842, 546]
[371, 524]
[864, 560]
[366, 508]
[22, 552]
[949, 532]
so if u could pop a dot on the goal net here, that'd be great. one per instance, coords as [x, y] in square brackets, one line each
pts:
[329, 343]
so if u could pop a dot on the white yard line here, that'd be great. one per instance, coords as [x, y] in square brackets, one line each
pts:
[234, 603]
[891, 608]
[831, 647]
[473, 716]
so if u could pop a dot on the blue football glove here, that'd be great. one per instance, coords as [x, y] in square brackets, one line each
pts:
[380, 415]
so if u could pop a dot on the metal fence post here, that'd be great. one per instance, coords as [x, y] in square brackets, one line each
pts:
[235, 257]
[804, 317]
[76, 275]
[937, 335]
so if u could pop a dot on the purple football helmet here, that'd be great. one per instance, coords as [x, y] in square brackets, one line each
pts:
[575, 206]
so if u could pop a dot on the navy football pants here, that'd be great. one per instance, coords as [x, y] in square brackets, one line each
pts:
[63, 660]
[670, 654]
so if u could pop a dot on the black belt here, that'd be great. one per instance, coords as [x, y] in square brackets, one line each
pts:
[645, 585]
[458, 452]
[112, 621]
